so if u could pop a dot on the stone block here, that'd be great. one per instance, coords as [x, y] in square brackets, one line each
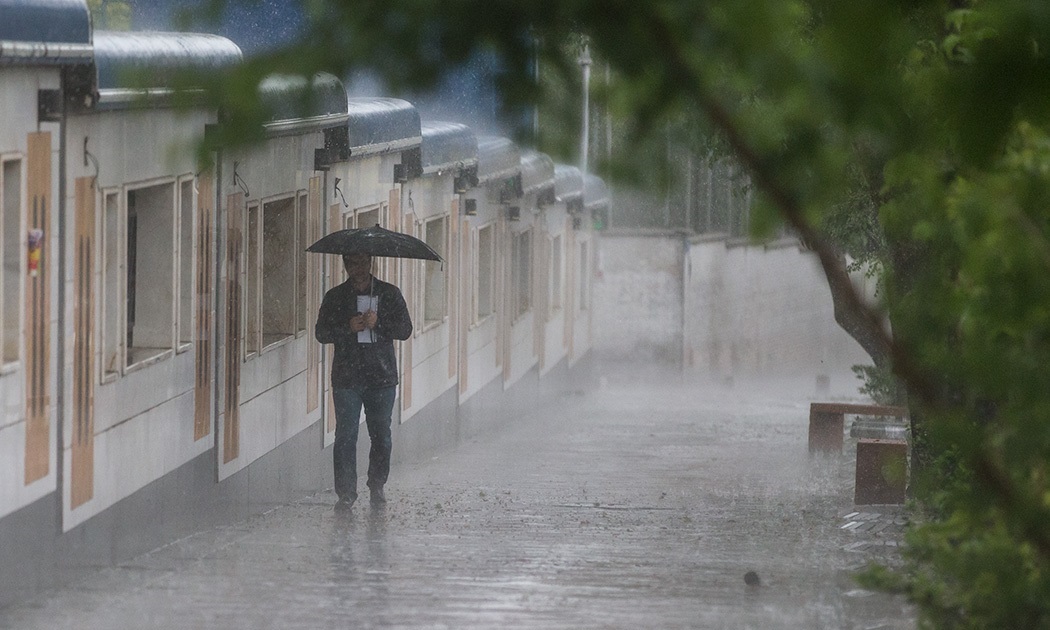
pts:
[882, 472]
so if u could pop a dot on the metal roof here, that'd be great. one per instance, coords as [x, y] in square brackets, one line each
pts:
[448, 145]
[381, 124]
[498, 158]
[595, 192]
[537, 171]
[294, 102]
[42, 32]
[156, 58]
[568, 182]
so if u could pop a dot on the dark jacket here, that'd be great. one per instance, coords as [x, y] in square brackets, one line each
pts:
[363, 365]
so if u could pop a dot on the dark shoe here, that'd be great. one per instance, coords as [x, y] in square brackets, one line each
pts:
[345, 503]
[376, 497]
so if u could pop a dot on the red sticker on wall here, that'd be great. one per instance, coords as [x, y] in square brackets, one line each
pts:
[36, 244]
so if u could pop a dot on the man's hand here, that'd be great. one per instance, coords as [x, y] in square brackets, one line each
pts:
[363, 321]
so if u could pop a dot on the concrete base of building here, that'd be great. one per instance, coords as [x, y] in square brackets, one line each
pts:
[35, 554]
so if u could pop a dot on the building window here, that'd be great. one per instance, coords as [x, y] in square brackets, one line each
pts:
[434, 308]
[11, 257]
[150, 288]
[112, 283]
[186, 233]
[556, 274]
[521, 273]
[484, 273]
[382, 267]
[368, 218]
[278, 270]
[275, 272]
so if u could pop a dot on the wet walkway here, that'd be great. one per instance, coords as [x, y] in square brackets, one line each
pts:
[626, 507]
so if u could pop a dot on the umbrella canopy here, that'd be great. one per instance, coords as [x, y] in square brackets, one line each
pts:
[374, 241]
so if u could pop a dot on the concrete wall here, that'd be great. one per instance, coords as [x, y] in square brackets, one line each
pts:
[582, 304]
[483, 361]
[719, 309]
[553, 304]
[761, 310]
[429, 198]
[638, 297]
[143, 414]
[18, 99]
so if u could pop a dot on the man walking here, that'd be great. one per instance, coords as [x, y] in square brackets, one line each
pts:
[362, 317]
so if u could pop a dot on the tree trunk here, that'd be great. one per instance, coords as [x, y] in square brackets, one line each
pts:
[853, 322]
[906, 258]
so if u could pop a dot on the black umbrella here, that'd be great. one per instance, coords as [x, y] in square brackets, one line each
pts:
[374, 241]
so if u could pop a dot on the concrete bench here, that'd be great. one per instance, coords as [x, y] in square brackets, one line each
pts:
[882, 472]
[882, 462]
[827, 422]
[882, 448]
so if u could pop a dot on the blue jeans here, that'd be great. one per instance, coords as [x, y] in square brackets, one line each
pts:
[378, 405]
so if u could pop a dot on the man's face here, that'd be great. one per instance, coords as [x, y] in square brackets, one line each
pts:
[358, 266]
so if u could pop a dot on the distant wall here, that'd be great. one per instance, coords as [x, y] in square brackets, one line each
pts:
[638, 297]
[718, 309]
[762, 309]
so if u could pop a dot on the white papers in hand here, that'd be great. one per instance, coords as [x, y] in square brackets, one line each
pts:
[367, 303]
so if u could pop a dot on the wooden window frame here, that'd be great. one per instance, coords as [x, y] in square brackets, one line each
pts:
[477, 318]
[446, 227]
[302, 264]
[185, 264]
[168, 352]
[521, 288]
[16, 293]
[300, 204]
[112, 308]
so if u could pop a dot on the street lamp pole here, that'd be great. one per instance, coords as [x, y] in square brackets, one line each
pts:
[536, 79]
[585, 66]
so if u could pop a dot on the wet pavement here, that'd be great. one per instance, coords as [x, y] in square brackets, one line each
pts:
[629, 506]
